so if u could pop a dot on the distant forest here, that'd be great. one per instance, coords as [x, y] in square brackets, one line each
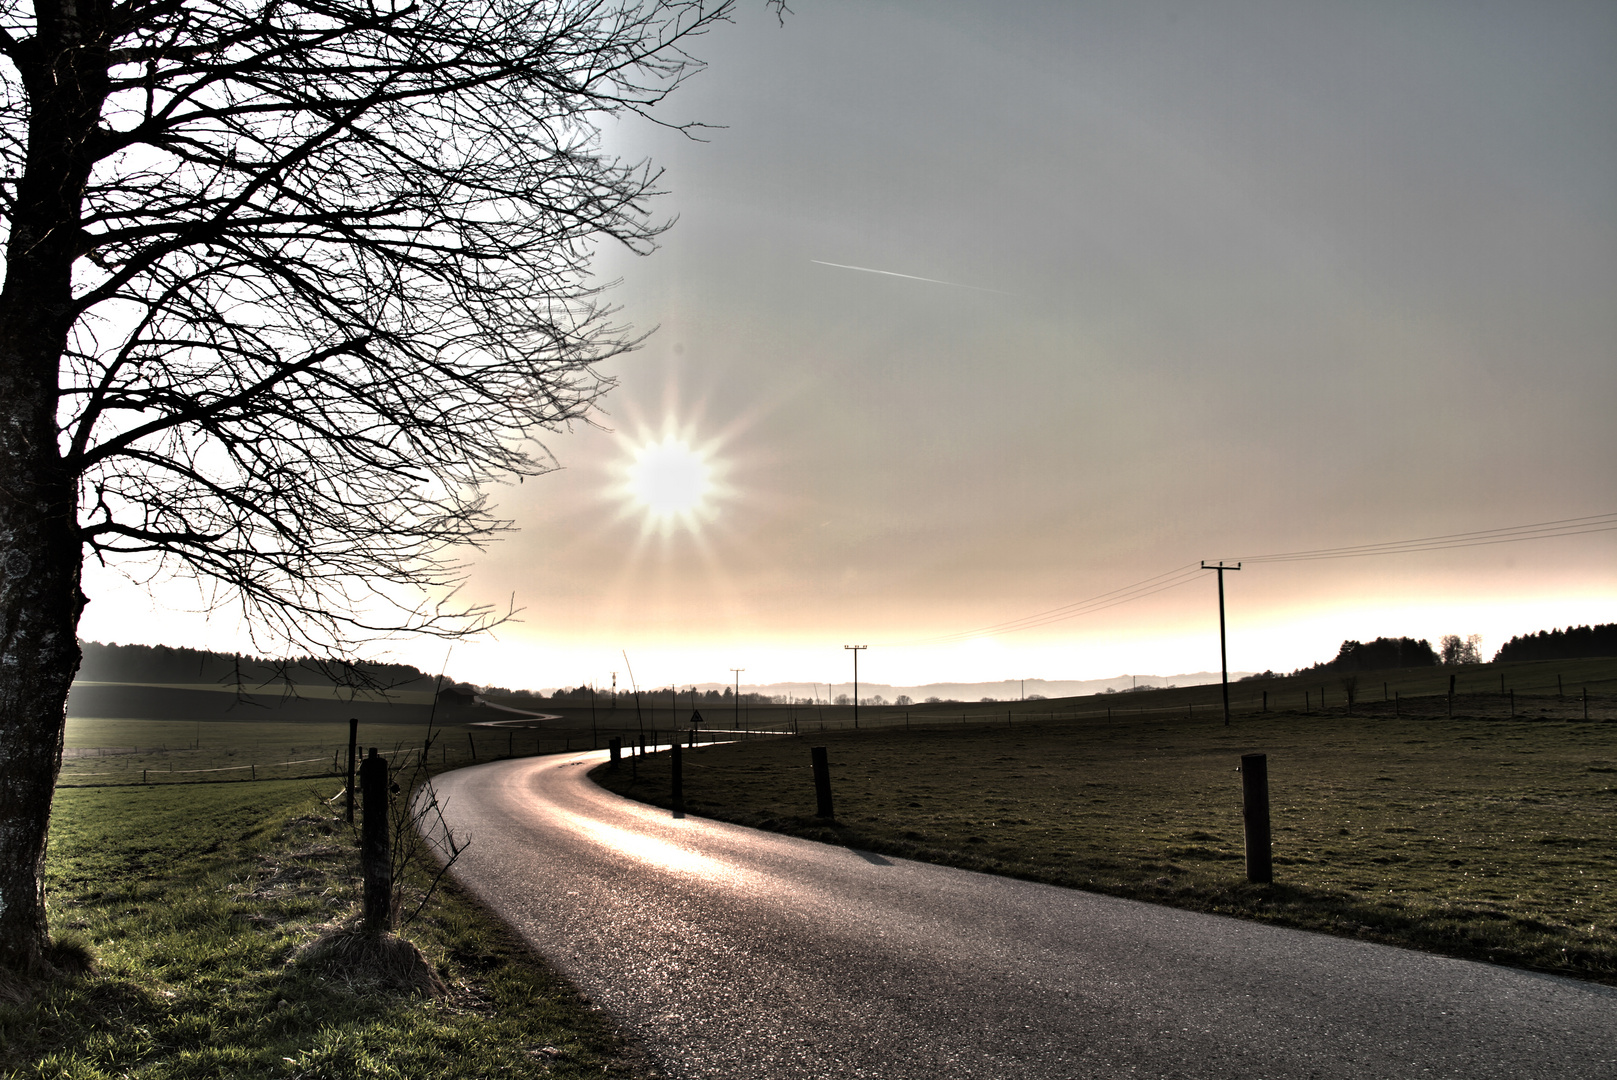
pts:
[1572, 643]
[1378, 655]
[163, 664]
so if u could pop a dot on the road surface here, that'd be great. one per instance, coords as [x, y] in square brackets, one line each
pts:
[733, 953]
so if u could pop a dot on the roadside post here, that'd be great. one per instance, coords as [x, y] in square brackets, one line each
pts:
[615, 750]
[375, 855]
[677, 766]
[1255, 811]
[822, 782]
[353, 740]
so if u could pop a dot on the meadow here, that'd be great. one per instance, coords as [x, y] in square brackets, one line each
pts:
[197, 901]
[1478, 835]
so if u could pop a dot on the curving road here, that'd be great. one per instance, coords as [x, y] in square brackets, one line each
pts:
[733, 953]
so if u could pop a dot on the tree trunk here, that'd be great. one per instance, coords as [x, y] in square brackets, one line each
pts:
[64, 72]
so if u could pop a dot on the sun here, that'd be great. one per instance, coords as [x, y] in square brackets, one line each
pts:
[670, 480]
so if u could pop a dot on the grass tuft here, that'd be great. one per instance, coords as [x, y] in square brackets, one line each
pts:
[384, 961]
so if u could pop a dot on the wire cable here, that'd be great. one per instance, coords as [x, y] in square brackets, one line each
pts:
[1184, 575]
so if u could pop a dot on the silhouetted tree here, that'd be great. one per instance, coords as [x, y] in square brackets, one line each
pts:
[287, 283]
[1572, 643]
[1456, 650]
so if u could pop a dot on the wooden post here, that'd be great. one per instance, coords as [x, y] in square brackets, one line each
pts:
[1586, 703]
[1397, 705]
[822, 782]
[353, 742]
[375, 854]
[1265, 703]
[677, 780]
[615, 750]
[1255, 810]
[472, 744]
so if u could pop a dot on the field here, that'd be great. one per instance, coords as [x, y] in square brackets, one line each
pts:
[1479, 835]
[227, 741]
[195, 901]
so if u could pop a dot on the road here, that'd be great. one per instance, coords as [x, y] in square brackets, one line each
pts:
[732, 953]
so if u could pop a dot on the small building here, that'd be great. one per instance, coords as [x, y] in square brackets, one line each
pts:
[459, 695]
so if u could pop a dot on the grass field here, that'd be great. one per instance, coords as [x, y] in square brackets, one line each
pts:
[195, 900]
[1478, 836]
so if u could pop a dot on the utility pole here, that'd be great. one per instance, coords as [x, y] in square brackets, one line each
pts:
[736, 726]
[856, 649]
[1223, 654]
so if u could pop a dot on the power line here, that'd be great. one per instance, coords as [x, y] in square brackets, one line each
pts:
[1172, 579]
[1184, 575]
[1543, 530]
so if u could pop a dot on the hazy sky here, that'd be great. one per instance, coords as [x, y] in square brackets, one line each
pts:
[1209, 280]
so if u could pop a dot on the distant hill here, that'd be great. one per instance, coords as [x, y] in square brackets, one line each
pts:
[160, 682]
[165, 664]
[1573, 643]
[1001, 690]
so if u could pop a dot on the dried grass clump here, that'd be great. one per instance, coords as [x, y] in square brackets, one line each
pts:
[68, 956]
[382, 961]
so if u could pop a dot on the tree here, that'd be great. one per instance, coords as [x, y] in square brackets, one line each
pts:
[287, 284]
[1456, 651]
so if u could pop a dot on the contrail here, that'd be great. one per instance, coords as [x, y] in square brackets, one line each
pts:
[912, 277]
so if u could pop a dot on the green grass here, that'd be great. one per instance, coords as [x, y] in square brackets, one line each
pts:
[195, 901]
[117, 751]
[1479, 837]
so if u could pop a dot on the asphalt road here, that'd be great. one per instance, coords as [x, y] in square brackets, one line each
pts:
[733, 953]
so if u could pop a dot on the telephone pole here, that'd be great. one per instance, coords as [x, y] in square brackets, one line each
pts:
[736, 726]
[1223, 654]
[856, 649]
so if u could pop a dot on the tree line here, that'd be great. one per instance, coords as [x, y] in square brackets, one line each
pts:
[1575, 642]
[167, 664]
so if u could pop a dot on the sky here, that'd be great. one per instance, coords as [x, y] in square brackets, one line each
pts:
[1158, 283]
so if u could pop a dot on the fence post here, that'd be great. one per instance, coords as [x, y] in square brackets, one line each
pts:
[353, 740]
[1255, 811]
[822, 782]
[614, 749]
[1265, 704]
[677, 767]
[375, 856]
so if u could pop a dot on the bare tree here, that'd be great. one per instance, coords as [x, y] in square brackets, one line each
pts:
[1454, 651]
[286, 285]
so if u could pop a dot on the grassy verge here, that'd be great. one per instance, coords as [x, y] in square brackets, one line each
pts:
[1490, 839]
[196, 900]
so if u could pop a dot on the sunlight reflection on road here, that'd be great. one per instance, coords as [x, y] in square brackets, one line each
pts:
[654, 852]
